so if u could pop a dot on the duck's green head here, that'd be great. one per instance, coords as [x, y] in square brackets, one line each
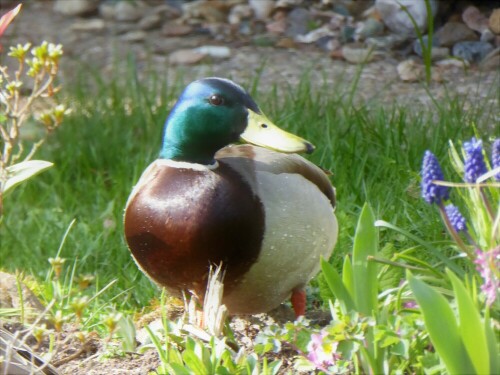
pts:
[212, 113]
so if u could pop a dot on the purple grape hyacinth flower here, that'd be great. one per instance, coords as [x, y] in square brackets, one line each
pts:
[457, 221]
[431, 170]
[488, 266]
[474, 166]
[495, 157]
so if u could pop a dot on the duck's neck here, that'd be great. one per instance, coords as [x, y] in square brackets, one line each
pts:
[180, 152]
[180, 145]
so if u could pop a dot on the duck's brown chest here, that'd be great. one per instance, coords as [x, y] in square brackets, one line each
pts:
[179, 221]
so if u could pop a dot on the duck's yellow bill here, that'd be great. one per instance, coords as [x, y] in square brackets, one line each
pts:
[260, 131]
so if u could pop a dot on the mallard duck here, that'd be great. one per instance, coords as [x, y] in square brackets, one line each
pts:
[259, 208]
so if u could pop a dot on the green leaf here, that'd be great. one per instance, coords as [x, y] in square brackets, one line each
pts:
[23, 171]
[337, 286]
[442, 327]
[347, 277]
[365, 272]
[471, 327]
[194, 363]
[493, 347]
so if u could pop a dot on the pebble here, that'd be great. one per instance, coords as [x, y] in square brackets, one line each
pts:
[398, 21]
[494, 21]
[89, 25]
[239, 13]
[472, 51]
[357, 54]
[454, 32]
[150, 22]
[315, 35]
[211, 11]
[475, 20]
[261, 8]
[491, 61]
[387, 42]
[411, 71]
[417, 46]
[370, 28]
[176, 30]
[217, 52]
[298, 22]
[75, 7]
[128, 11]
[186, 57]
[134, 36]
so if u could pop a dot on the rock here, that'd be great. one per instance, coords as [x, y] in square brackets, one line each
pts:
[454, 32]
[298, 22]
[358, 54]
[134, 36]
[315, 35]
[176, 30]
[278, 25]
[107, 9]
[491, 61]
[285, 43]
[328, 43]
[186, 57]
[261, 8]
[452, 63]
[10, 298]
[475, 20]
[214, 11]
[76, 7]
[410, 71]
[472, 51]
[347, 34]
[371, 27]
[89, 25]
[437, 53]
[388, 42]
[240, 13]
[150, 22]
[397, 20]
[128, 11]
[494, 21]
[216, 52]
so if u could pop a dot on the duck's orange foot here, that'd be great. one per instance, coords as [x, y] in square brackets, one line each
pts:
[298, 300]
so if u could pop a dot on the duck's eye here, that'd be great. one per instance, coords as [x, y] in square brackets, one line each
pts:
[263, 126]
[216, 100]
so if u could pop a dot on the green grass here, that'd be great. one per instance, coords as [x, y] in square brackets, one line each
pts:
[115, 131]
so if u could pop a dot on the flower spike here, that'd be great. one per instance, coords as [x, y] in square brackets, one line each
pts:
[495, 157]
[474, 166]
[431, 171]
[457, 221]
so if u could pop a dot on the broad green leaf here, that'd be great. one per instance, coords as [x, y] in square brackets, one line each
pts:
[493, 345]
[23, 171]
[365, 272]
[347, 277]
[442, 327]
[337, 287]
[177, 369]
[194, 363]
[471, 327]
